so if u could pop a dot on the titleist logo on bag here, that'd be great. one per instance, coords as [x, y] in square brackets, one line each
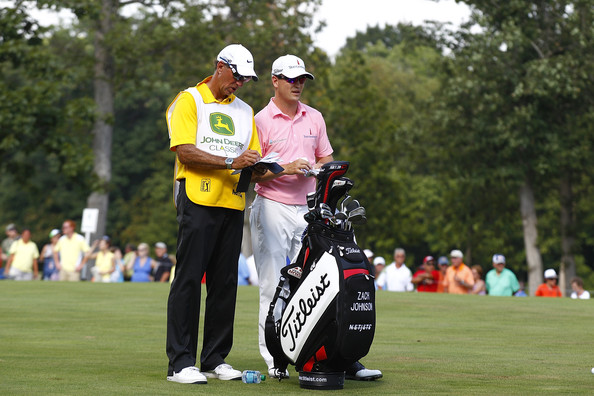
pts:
[308, 304]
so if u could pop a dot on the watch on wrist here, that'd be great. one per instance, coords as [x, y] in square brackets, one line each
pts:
[229, 162]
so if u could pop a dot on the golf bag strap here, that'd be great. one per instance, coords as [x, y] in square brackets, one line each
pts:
[273, 344]
[271, 333]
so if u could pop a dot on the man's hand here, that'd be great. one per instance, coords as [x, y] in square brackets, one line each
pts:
[247, 158]
[296, 167]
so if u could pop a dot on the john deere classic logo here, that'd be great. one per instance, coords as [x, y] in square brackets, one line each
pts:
[222, 124]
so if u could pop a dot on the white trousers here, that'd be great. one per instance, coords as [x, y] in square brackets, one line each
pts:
[276, 231]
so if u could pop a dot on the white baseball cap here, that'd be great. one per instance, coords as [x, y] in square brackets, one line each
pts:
[379, 260]
[498, 259]
[290, 66]
[238, 57]
[456, 253]
[368, 253]
[550, 274]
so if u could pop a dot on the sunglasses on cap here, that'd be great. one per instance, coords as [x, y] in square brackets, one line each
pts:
[236, 75]
[301, 79]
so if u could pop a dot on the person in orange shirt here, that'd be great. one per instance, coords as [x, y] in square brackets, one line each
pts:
[443, 263]
[549, 288]
[458, 278]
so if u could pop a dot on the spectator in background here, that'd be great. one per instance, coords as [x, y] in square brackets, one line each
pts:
[50, 272]
[243, 272]
[578, 289]
[163, 263]
[500, 281]
[458, 279]
[70, 253]
[396, 276]
[378, 264]
[369, 255]
[549, 288]
[12, 235]
[22, 259]
[129, 258]
[479, 283]
[117, 275]
[143, 265]
[251, 264]
[427, 278]
[442, 264]
[521, 292]
[104, 260]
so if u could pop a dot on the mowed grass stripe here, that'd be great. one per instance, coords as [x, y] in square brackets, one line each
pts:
[109, 339]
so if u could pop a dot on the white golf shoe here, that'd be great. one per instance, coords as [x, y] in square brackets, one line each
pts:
[189, 375]
[224, 372]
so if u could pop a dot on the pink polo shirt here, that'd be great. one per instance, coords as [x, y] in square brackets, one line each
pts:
[304, 136]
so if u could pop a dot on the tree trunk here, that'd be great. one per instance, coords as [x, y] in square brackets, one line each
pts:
[567, 234]
[103, 127]
[529, 225]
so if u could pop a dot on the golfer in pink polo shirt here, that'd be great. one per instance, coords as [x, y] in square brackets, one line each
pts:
[296, 132]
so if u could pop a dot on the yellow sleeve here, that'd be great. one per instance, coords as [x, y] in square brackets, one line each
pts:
[184, 122]
[84, 246]
[13, 247]
[255, 142]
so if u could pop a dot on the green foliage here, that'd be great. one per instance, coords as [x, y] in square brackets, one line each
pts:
[440, 127]
[33, 102]
[517, 104]
[157, 52]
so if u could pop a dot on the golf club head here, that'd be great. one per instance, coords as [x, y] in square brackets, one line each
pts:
[357, 216]
[360, 210]
[344, 202]
[341, 216]
[325, 212]
[358, 219]
[352, 205]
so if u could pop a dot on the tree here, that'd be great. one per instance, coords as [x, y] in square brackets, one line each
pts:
[149, 55]
[33, 88]
[381, 98]
[524, 86]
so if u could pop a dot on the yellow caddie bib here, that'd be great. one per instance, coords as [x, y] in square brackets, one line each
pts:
[225, 129]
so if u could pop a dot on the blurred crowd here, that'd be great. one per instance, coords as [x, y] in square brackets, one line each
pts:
[68, 257]
[451, 275]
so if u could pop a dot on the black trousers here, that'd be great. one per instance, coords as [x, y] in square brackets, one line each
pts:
[208, 240]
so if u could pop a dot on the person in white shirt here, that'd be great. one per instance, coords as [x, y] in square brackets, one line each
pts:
[578, 289]
[396, 276]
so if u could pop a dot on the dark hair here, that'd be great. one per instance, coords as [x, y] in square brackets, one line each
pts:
[578, 281]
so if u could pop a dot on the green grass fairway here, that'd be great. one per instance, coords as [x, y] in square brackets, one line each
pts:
[109, 339]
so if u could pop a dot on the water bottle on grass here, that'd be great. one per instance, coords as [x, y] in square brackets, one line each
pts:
[252, 377]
